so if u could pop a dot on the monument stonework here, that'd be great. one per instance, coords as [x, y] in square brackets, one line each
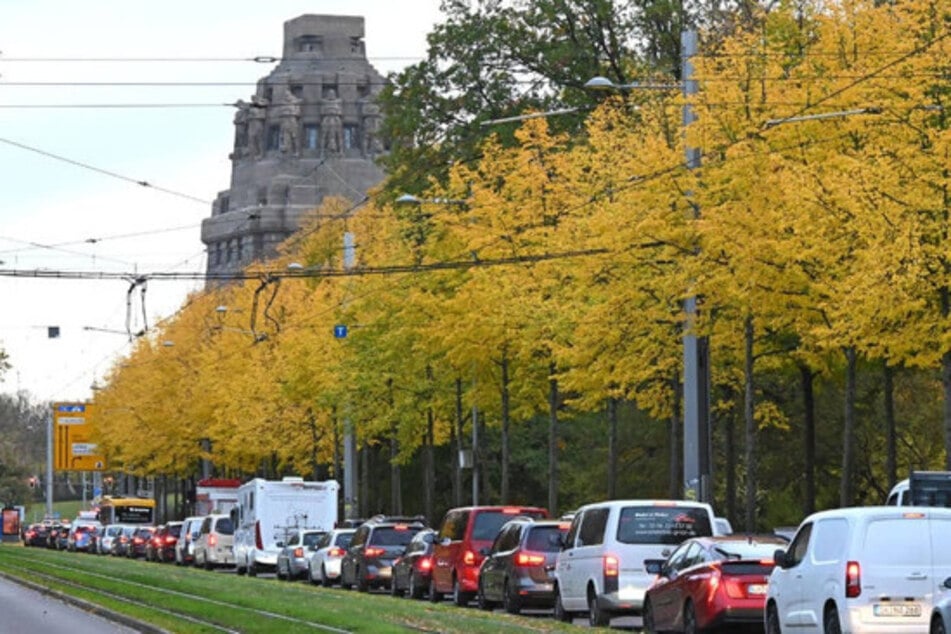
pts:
[310, 130]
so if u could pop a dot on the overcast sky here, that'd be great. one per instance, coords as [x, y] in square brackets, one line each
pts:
[87, 216]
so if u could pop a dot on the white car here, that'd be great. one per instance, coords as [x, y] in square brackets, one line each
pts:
[109, 533]
[323, 562]
[875, 570]
[601, 569]
[185, 547]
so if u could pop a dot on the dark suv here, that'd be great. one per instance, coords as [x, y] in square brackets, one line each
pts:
[378, 541]
[518, 570]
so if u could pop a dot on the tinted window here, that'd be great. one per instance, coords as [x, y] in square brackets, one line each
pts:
[454, 526]
[507, 539]
[746, 550]
[343, 540]
[312, 538]
[294, 540]
[662, 524]
[175, 531]
[546, 539]
[224, 526]
[797, 549]
[390, 536]
[488, 523]
[592, 527]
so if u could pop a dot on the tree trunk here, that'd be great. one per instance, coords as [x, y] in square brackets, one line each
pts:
[457, 448]
[505, 428]
[430, 478]
[553, 443]
[314, 438]
[730, 449]
[806, 377]
[674, 487]
[612, 448]
[365, 503]
[891, 438]
[749, 418]
[396, 479]
[848, 431]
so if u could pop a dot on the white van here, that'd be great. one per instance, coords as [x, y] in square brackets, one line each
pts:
[601, 567]
[268, 511]
[875, 569]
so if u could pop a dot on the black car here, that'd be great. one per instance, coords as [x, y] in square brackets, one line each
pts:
[36, 535]
[376, 544]
[518, 570]
[413, 570]
[140, 539]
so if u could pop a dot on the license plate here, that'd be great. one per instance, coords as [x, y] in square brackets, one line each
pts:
[385, 572]
[896, 609]
[756, 589]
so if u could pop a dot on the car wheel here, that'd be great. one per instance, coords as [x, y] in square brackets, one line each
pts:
[690, 619]
[481, 601]
[830, 620]
[510, 599]
[560, 613]
[597, 617]
[434, 595]
[649, 626]
[937, 626]
[253, 569]
[772, 620]
[362, 584]
[240, 570]
[394, 589]
[208, 565]
[459, 598]
[279, 573]
[325, 581]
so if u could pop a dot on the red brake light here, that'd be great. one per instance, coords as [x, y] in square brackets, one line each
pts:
[335, 552]
[611, 566]
[400, 527]
[510, 510]
[374, 552]
[853, 579]
[171, 539]
[258, 540]
[298, 552]
[212, 539]
[469, 558]
[527, 558]
[424, 563]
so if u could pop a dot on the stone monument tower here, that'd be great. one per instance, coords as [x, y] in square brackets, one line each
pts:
[310, 130]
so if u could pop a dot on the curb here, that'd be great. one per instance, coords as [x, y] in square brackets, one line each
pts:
[92, 608]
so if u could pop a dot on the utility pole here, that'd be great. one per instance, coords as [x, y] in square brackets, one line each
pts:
[698, 483]
[349, 442]
[49, 465]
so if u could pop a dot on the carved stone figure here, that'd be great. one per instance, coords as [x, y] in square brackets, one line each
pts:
[371, 129]
[256, 116]
[241, 129]
[290, 124]
[331, 124]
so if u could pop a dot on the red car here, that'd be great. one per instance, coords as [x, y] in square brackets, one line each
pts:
[709, 582]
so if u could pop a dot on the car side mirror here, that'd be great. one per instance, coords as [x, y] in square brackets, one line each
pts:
[780, 558]
[654, 566]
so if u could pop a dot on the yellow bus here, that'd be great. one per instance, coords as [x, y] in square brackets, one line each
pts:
[114, 510]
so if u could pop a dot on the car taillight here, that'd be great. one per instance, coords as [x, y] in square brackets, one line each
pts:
[374, 552]
[469, 558]
[611, 566]
[212, 539]
[335, 552]
[298, 552]
[527, 558]
[171, 540]
[853, 579]
[258, 541]
[137, 540]
[424, 563]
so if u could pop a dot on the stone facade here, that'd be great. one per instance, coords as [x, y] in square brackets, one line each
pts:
[310, 130]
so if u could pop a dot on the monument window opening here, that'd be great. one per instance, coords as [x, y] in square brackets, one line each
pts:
[274, 137]
[311, 136]
[350, 136]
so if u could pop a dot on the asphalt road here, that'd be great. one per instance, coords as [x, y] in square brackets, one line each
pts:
[27, 611]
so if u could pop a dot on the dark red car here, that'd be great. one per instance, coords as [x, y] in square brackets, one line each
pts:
[138, 542]
[162, 545]
[710, 582]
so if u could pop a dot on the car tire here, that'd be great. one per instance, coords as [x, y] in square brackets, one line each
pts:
[325, 581]
[434, 595]
[253, 569]
[394, 590]
[690, 619]
[208, 564]
[415, 590]
[937, 626]
[648, 617]
[597, 617]
[830, 620]
[459, 598]
[559, 612]
[362, 584]
[772, 620]
[482, 602]
[510, 599]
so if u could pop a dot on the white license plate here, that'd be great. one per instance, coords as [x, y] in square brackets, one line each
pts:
[756, 589]
[385, 572]
[896, 609]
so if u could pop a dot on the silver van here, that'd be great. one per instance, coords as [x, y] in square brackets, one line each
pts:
[601, 568]
[877, 570]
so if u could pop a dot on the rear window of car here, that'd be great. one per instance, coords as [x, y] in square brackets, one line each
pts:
[488, 523]
[224, 527]
[392, 536]
[174, 531]
[669, 525]
[312, 538]
[343, 540]
[546, 539]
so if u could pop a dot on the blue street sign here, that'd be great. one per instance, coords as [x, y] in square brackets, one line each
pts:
[340, 331]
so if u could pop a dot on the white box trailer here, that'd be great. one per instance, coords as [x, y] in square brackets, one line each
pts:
[268, 509]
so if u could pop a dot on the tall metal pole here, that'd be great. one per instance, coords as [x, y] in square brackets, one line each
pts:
[697, 472]
[49, 465]
[350, 509]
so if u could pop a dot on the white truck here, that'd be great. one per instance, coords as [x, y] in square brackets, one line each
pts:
[268, 509]
[922, 488]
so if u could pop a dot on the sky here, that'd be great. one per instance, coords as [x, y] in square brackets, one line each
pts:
[83, 211]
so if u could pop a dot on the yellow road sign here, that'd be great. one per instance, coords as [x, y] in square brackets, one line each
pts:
[73, 449]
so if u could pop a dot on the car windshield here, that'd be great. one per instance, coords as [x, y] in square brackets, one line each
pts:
[546, 539]
[391, 536]
[669, 525]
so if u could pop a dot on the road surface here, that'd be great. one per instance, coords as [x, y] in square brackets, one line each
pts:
[25, 610]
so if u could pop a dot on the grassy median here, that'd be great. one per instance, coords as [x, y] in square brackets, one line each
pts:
[167, 596]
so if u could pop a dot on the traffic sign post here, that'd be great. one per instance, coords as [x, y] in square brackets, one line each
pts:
[73, 449]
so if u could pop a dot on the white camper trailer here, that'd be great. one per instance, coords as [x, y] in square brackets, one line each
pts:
[268, 509]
